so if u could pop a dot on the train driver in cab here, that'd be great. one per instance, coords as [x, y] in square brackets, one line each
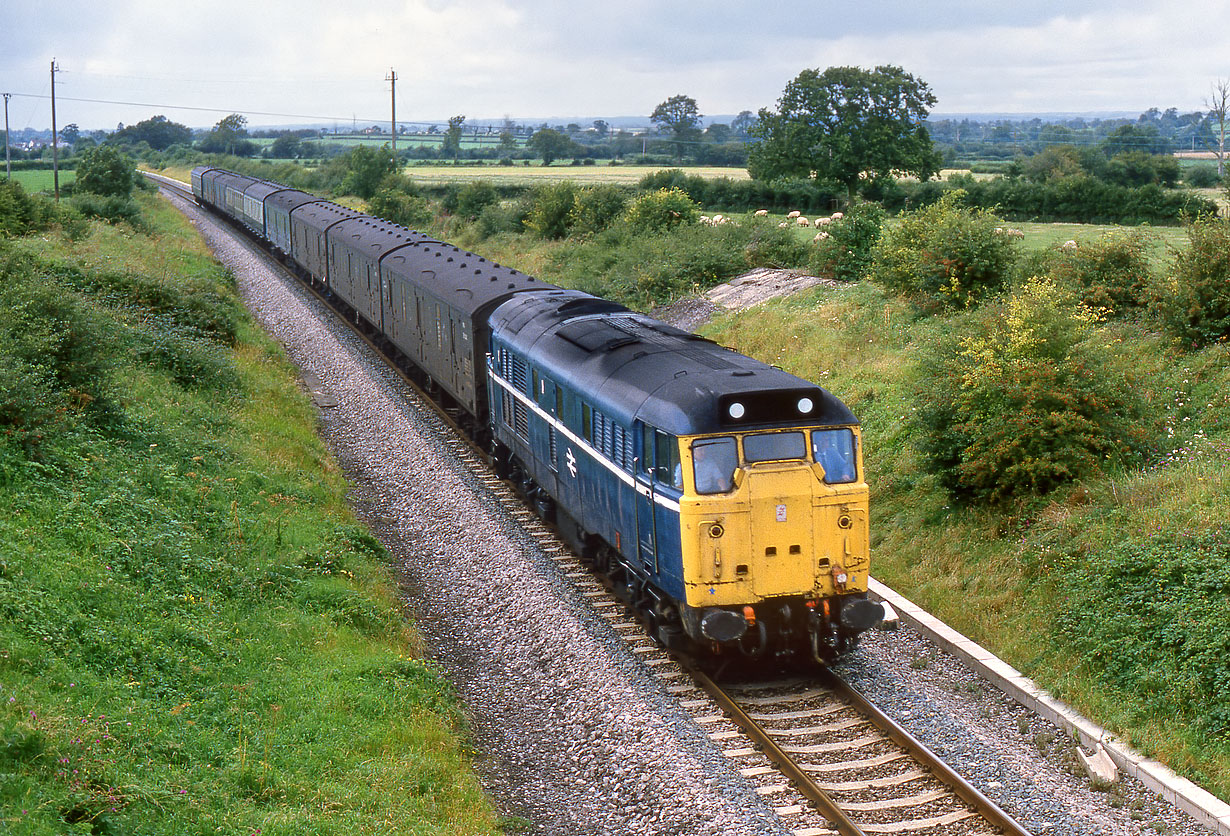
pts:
[713, 465]
[834, 451]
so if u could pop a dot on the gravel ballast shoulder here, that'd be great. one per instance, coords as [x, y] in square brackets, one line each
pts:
[572, 733]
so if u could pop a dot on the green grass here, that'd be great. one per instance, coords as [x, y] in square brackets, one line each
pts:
[195, 635]
[40, 180]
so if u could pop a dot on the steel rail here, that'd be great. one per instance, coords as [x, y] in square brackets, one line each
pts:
[964, 790]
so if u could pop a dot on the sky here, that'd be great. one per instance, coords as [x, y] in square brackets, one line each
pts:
[287, 62]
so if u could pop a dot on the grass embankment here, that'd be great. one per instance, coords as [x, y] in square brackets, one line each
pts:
[1110, 595]
[195, 635]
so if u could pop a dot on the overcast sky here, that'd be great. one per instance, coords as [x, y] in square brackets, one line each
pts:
[311, 61]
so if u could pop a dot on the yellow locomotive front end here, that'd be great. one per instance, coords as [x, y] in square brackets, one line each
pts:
[774, 538]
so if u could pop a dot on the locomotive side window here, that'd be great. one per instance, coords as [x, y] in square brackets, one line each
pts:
[667, 468]
[767, 447]
[713, 464]
[834, 451]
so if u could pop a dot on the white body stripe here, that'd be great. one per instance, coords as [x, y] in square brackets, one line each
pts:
[621, 474]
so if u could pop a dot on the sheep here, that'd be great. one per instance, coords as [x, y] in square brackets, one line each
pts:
[801, 221]
[1069, 245]
[837, 216]
[705, 219]
[999, 230]
[794, 214]
[1014, 233]
[823, 221]
[760, 213]
[783, 225]
[820, 236]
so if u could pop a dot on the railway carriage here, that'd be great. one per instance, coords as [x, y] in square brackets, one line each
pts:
[724, 497]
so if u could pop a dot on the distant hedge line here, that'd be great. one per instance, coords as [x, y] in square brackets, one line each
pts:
[1068, 200]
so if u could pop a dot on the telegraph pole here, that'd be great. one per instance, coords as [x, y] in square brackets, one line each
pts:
[392, 76]
[8, 165]
[55, 145]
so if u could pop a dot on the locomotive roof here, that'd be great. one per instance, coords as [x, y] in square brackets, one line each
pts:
[636, 367]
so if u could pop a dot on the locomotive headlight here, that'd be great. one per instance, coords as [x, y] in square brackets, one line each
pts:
[736, 410]
[805, 405]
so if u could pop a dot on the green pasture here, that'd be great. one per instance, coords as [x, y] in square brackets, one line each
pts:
[42, 180]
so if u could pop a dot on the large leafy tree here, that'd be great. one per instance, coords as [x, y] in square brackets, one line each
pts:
[106, 171]
[680, 115]
[846, 124]
[551, 145]
[158, 132]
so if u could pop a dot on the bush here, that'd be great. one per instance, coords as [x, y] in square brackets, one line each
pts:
[1024, 400]
[944, 255]
[772, 246]
[106, 171]
[1195, 303]
[1202, 176]
[396, 205]
[846, 254]
[22, 213]
[552, 209]
[596, 208]
[660, 210]
[109, 208]
[1111, 273]
[474, 197]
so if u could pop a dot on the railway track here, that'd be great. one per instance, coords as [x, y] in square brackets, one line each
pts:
[826, 760]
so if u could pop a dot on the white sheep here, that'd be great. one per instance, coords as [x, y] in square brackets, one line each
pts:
[705, 219]
[820, 236]
[784, 225]
[1014, 233]
[801, 221]
[760, 213]
[823, 221]
[1069, 245]
[794, 214]
[837, 216]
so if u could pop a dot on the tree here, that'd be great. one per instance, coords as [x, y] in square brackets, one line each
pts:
[70, 133]
[845, 124]
[602, 128]
[106, 171]
[679, 114]
[452, 137]
[158, 132]
[718, 132]
[285, 147]
[229, 136]
[1218, 104]
[550, 144]
[743, 123]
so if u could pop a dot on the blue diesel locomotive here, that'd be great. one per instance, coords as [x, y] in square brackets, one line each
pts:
[723, 497]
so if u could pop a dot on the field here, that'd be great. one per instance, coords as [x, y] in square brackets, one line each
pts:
[587, 175]
[42, 180]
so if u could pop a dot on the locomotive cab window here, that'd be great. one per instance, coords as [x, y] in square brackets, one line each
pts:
[714, 461]
[769, 447]
[667, 468]
[834, 450]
